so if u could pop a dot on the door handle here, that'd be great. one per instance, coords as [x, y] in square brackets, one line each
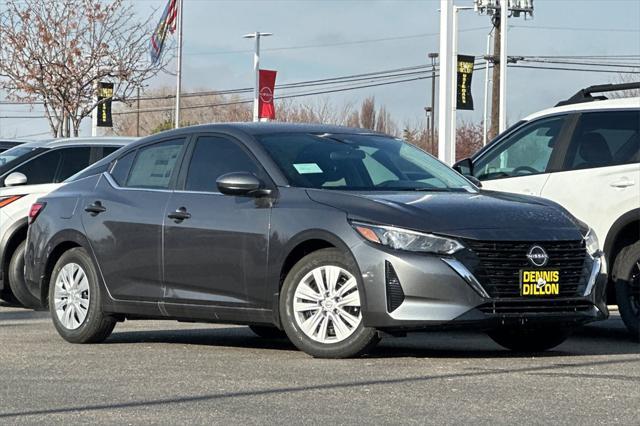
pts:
[180, 214]
[623, 183]
[95, 208]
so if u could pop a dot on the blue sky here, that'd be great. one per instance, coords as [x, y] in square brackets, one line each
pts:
[559, 27]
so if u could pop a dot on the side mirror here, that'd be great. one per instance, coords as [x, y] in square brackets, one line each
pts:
[464, 167]
[15, 179]
[241, 183]
[474, 180]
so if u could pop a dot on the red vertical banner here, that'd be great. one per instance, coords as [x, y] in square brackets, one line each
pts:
[266, 109]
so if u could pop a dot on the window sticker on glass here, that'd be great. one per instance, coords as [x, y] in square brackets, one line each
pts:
[307, 168]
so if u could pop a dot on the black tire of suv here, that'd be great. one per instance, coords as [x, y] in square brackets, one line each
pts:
[520, 339]
[628, 287]
[97, 326]
[17, 283]
[267, 332]
[363, 338]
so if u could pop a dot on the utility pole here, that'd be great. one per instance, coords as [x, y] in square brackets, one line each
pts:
[500, 10]
[495, 93]
[485, 116]
[433, 56]
[256, 69]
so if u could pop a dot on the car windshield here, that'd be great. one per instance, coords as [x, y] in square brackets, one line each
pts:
[359, 162]
[13, 153]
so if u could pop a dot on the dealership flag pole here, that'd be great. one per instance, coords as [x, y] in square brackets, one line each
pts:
[179, 67]
[256, 70]
[446, 83]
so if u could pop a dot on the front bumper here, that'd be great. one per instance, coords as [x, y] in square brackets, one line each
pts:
[439, 292]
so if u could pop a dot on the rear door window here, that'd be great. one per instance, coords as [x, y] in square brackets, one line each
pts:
[605, 138]
[154, 165]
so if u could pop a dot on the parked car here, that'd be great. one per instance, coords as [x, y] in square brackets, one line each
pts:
[585, 155]
[8, 144]
[29, 171]
[330, 234]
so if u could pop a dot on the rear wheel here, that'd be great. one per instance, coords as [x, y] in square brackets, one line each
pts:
[320, 307]
[268, 332]
[522, 339]
[626, 271]
[75, 300]
[17, 282]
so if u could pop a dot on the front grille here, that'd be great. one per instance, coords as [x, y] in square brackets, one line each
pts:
[536, 307]
[499, 264]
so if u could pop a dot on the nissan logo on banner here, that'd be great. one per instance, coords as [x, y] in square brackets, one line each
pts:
[266, 108]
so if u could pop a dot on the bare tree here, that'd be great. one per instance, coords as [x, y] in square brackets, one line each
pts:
[627, 78]
[56, 51]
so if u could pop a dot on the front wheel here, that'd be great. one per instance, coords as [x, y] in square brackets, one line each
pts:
[522, 339]
[320, 307]
[74, 300]
[626, 271]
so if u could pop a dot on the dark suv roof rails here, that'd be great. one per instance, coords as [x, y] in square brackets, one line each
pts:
[584, 95]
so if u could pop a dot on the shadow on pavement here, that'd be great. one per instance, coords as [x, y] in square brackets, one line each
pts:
[352, 385]
[449, 344]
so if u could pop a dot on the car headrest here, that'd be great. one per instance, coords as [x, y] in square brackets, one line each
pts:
[594, 149]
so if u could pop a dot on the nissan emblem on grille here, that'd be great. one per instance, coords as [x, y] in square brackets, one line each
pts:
[537, 256]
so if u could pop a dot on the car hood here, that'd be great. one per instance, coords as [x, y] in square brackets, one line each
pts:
[486, 215]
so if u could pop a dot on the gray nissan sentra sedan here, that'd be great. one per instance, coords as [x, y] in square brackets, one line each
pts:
[331, 236]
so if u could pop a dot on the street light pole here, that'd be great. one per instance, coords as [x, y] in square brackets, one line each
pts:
[433, 56]
[256, 69]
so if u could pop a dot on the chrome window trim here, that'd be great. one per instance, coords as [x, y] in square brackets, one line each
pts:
[122, 188]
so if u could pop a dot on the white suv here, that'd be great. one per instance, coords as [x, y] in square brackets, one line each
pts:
[585, 155]
[27, 172]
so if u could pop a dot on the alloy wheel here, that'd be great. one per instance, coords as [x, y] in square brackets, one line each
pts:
[71, 296]
[326, 304]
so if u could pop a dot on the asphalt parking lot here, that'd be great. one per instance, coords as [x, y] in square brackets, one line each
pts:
[170, 373]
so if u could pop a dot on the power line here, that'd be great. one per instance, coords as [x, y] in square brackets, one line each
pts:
[335, 44]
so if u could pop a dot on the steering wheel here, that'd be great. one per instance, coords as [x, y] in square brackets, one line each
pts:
[520, 169]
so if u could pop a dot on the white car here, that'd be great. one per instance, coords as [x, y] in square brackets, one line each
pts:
[583, 154]
[27, 172]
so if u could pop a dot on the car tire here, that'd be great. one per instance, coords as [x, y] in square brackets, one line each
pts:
[329, 325]
[521, 339]
[626, 272]
[17, 283]
[75, 299]
[267, 332]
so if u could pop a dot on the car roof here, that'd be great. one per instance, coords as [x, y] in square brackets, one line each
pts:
[621, 103]
[271, 127]
[89, 141]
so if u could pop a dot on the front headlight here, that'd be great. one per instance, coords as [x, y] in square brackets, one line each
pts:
[591, 243]
[405, 239]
